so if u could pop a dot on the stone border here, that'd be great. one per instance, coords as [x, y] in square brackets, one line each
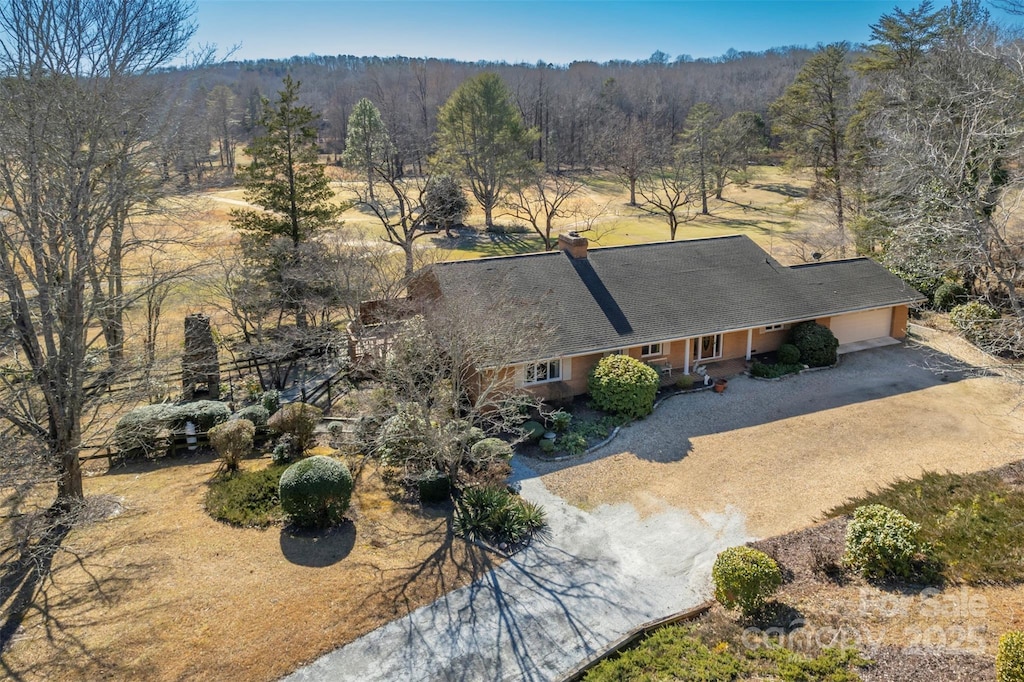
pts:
[631, 637]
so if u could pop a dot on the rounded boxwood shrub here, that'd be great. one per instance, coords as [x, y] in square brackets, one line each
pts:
[315, 492]
[299, 420]
[434, 487]
[744, 579]
[974, 320]
[881, 542]
[533, 430]
[623, 385]
[232, 440]
[948, 295]
[1010, 657]
[257, 414]
[788, 354]
[816, 343]
[491, 450]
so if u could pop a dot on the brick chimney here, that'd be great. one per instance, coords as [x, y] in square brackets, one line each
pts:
[574, 244]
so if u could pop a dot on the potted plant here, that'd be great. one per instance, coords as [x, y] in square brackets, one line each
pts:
[720, 385]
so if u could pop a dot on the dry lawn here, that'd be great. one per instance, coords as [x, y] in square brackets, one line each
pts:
[163, 592]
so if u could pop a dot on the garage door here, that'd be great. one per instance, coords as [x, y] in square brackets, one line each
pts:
[870, 324]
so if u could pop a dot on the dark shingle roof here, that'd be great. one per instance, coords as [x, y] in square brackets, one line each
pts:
[630, 295]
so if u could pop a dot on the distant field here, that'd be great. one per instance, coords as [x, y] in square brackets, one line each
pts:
[769, 207]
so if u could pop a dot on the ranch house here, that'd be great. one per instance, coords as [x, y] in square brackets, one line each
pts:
[679, 306]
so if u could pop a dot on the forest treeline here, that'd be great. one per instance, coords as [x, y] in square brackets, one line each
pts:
[579, 110]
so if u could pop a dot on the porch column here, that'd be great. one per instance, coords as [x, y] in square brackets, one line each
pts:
[686, 357]
[750, 341]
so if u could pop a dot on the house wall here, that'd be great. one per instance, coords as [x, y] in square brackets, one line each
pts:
[900, 315]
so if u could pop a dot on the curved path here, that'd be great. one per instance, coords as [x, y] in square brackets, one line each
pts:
[598, 575]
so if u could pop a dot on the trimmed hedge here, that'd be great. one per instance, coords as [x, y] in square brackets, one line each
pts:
[744, 579]
[144, 431]
[1010, 657]
[881, 542]
[623, 385]
[816, 343]
[788, 354]
[315, 492]
[257, 414]
[491, 450]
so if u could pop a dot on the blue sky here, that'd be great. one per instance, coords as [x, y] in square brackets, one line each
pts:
[527, 31]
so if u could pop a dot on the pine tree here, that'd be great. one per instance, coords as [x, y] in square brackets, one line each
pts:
[287, 181]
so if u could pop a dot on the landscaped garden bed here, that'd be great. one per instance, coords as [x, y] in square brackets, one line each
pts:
[830, 622]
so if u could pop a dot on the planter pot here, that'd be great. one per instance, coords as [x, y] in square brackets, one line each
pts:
[720, 385]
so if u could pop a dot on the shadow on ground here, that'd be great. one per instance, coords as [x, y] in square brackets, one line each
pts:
[318, 548]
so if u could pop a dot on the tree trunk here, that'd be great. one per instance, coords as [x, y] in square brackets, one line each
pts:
[409, 263]
[488, 219]
[632, 191]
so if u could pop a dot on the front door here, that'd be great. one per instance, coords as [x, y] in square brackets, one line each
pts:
[709, 347]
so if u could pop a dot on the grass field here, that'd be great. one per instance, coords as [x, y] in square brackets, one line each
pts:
[770, 207]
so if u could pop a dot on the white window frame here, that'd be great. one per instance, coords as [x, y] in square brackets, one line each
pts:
[652, 353]
[547, 365]
[718, 346]
[769, 328]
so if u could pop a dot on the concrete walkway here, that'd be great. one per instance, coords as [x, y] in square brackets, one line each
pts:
[598, 575]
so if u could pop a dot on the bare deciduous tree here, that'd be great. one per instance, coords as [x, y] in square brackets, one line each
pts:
[69, 69]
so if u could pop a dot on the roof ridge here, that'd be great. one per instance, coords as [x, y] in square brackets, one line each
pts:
[832, 262]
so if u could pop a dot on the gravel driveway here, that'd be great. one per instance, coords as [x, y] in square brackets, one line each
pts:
[635, 526]
[783, 452]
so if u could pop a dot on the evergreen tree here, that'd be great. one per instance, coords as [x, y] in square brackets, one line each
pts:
[287, 181]
[812, 117]
[367, 144]
[481, 136]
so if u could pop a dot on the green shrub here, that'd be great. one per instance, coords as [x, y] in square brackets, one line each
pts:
[745, 578]
[974, 320]
[232, 440]
[560, 420]
[283, 449]
[949, 294]
[881, 542]
[248, 499]
[574, 443]
[684, 382]
[816, 343]
[547, 445]
[788, 354]
[403, 440]
[144, 431]
[670, 653]
[270, 401]
[205, 414]
[298, 420]
[763, 371]
[623, 385]
[533, 430]
[491, 450]
[470, 435]
[315, 492]
[1010, 657]
[434, 487]
[257, 414]
[494, 514]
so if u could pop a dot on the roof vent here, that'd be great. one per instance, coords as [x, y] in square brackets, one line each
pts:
[573, 244]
